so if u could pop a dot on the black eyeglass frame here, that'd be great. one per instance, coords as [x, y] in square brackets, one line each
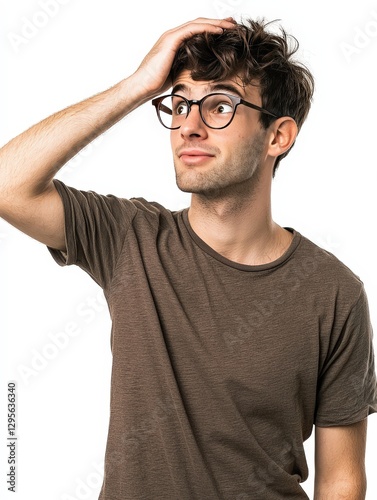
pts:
[235, 100]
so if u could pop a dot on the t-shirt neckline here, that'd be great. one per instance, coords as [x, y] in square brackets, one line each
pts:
[236, 265]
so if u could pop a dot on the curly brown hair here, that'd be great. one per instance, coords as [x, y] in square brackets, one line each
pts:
[255, 55]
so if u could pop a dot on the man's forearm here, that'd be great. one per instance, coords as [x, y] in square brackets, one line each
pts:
[30, 161]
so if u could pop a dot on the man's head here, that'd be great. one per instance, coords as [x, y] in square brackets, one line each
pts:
[252, 55]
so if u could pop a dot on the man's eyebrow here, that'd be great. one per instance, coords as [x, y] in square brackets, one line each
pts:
[214, 87]
[229, 87]
[180, 87]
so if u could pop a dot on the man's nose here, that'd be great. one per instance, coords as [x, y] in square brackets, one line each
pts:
[193, 124]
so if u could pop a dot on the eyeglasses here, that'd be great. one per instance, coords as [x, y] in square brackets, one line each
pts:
[216, 110]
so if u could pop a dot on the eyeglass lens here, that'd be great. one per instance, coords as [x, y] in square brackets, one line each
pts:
[217, 110]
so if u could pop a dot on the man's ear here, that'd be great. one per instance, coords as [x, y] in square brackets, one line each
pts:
[283, 133]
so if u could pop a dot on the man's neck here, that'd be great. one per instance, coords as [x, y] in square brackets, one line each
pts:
[242, 230]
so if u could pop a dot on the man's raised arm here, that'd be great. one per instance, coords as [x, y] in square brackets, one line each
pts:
[29, 162]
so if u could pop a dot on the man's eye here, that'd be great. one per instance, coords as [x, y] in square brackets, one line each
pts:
[181, 109]
[223, 108]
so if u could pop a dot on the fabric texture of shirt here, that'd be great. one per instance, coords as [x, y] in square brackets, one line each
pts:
[219, 369]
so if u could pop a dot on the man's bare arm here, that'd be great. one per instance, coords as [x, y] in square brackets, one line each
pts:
[29, 162]
[340, 462]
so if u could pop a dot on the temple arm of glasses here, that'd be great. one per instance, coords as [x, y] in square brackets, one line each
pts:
[258, 108]
[165, 109]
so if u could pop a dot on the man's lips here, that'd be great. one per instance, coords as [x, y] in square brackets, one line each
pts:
[194, 156]
[194, 152]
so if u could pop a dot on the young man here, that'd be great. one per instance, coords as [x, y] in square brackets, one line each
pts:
[232, 336]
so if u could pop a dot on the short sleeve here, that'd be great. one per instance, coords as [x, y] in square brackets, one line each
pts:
[95, 229]
[347, 390]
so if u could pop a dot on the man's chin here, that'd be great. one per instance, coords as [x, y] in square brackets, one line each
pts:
[186, 188]
[187, 184]
[194, 188]
[208, 186]
[193, 180]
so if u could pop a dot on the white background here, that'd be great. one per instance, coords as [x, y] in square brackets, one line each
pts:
[325, 189]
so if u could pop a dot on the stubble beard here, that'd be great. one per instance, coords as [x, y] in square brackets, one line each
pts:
[239, 177]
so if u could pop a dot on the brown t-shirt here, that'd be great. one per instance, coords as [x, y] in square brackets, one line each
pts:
[219, 369]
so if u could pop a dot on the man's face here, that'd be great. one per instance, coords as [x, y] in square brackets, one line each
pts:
[212, 162]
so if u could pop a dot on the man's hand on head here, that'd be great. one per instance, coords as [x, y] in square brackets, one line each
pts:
[153, 73]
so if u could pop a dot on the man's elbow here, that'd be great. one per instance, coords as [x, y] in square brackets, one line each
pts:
[350, 488]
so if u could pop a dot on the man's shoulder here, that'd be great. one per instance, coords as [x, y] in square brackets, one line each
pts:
[151, 207]
[329, 270]
[152, 214]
